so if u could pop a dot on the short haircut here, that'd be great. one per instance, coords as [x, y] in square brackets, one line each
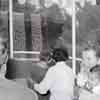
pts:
[60, 54]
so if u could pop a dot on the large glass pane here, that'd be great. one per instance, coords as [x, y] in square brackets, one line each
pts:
[4, 18]
[41, 26]
[88, 39]
[87, 23]
[27, 29]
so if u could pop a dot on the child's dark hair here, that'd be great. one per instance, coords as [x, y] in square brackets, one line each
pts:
[60, 55]
[96, 70]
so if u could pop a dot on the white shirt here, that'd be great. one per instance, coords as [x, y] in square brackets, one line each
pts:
[96, 90]
[59, 79]
[86, 95]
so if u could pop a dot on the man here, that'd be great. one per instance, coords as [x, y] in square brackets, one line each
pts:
[59, 79]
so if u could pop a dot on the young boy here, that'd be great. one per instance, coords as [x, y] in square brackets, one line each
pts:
[90, 58]
[93, 84]
[92, 89]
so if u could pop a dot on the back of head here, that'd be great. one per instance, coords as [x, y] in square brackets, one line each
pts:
[60, 55]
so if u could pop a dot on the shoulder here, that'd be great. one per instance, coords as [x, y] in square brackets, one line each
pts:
[51, 69]
[69, 69]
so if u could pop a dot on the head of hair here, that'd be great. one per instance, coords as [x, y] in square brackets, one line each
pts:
[96, 68]
[60, 54]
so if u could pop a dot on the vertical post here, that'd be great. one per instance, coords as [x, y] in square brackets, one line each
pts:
[11, 26]
[73, 38]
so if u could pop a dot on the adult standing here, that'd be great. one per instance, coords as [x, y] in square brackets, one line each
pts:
[59, 79]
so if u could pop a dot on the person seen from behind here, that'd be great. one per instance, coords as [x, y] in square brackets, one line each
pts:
[59, 79]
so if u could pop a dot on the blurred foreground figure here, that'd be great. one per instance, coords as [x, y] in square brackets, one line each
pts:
[59, 79]
[10, 90]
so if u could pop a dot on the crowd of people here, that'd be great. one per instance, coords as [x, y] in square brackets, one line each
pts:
[59, 79]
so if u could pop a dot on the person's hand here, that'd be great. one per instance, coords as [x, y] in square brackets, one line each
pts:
[81, 79]
[30, 83]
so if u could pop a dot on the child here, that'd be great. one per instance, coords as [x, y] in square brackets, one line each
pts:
[90, 58]
[93, 93]
[93, 84]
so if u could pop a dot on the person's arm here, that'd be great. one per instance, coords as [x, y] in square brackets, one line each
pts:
[96, 90]
[45, 84]
[81, 80]
[82, 76]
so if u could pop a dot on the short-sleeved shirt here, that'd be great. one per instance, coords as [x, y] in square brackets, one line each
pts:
[59, 79]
